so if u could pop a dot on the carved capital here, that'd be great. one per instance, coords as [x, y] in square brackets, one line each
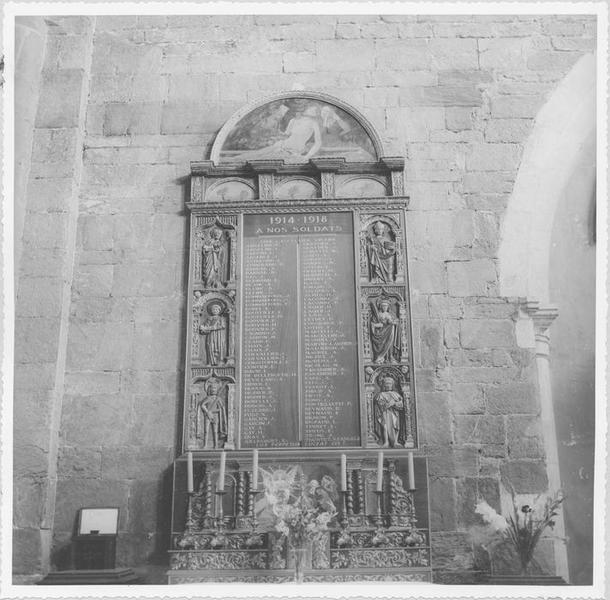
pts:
[542, 316]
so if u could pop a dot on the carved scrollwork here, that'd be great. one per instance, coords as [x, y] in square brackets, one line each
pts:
[354, 558]
[215, 559]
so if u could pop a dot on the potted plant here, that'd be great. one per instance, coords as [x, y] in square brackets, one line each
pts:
[522, 530]
[301, 510]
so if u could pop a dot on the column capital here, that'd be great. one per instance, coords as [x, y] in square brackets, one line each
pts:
[542, 316]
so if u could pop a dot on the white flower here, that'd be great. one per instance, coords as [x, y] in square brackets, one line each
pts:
[497, 522]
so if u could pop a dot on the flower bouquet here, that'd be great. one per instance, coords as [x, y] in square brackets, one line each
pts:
[523, 528]
[300, 510]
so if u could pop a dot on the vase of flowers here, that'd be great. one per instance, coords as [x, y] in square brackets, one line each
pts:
[523, 528]
[301, 510]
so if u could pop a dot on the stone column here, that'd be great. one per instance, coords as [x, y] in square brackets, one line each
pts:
[543, 318]
[44, 282]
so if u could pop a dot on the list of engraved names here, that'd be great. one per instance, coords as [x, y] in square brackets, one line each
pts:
[299, 358]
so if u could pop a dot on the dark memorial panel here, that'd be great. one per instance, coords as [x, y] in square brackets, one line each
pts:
[299, 359]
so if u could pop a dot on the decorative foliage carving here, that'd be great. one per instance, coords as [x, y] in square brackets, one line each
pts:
[354, 558]
[320, 552]
[398, 183]
[265, 185]
[210, 559]
[328, 184]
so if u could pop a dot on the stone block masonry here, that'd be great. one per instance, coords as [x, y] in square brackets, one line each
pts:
[126, 103]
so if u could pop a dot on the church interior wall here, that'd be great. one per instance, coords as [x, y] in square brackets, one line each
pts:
[126, 104]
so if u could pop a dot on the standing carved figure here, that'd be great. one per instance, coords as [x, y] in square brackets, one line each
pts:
[212, 416]
[388, 405]
[214, 328]
[214, 259]
[385, 334]
[381, 254]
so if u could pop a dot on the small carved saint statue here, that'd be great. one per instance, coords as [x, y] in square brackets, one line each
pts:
[214, 328]
[385, 333]
[214, 258]
[387, 407]
[212, 416]
[381, 254]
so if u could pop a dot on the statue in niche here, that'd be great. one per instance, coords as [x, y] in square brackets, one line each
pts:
[387, 407]
[381, 254]
[385, 333]
[214, 328]
[213, 267]
[212, 415]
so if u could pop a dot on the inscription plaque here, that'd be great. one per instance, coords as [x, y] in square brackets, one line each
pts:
[299, 360]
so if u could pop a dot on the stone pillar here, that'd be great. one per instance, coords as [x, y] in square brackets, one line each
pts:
[44, 284]
[543, 318]
[30, 37]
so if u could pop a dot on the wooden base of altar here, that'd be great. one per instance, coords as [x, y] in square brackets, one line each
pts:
[311, 576]
[376, 535]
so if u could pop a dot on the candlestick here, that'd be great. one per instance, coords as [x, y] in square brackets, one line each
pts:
[220, 486]
[255, 469]
[343, 473]
[380, 472]
[411, 472]
[189, 472]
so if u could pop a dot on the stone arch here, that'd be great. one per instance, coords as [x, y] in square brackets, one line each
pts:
[564, 125]
[366, 130]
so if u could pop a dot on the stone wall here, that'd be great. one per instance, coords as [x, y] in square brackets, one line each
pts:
[455, 95]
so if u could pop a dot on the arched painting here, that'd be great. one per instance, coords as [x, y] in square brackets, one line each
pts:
[296, 129]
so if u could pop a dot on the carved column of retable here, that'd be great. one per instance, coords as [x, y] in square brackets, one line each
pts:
[349, 496]
[543, 318]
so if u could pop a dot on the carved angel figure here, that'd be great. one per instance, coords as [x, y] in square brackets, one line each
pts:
[388, 405]
[385, 334]
[214, 328]
[214, 258]
[381, 254]
[212, 416]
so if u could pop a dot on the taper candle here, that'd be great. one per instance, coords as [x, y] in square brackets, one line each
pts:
[189, 472]
[380, 472]
[254, 469]
[343, 473]
[411, 472]
[220, 486]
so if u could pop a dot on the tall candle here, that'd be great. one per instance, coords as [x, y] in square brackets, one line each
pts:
[411, 472]
[221, 473]
[189, 472]
[380, 472]
[254, 469]
[343, 473]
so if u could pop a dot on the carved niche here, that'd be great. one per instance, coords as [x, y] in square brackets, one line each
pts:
[214, 252]
[381, 252]
[212, 413]
[213, 328]
[389, 407]
[385, 325]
